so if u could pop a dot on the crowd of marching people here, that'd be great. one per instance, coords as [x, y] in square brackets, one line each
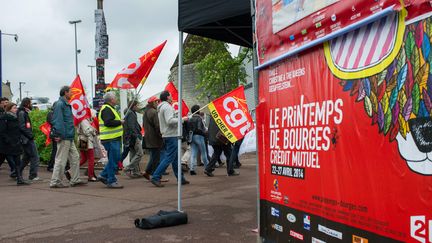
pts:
[104, 135]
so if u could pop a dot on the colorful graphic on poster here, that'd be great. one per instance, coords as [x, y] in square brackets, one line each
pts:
[397, 98]
[287, 12]
[334, 19]
[345, 130]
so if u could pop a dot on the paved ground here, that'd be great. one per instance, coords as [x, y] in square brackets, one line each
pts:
[220, 209]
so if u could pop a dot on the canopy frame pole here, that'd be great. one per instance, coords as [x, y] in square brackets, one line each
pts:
[256, 94]
[179, 126]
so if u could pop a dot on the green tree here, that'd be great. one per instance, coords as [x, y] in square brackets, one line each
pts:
[218, 72]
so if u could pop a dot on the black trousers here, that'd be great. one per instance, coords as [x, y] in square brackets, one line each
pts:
[53, 154]
[16, 159]
[11, 164]
[31, 156]
[153, 161]
[234, 160]
[218, 149]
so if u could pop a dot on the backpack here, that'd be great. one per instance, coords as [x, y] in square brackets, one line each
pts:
[187, 132]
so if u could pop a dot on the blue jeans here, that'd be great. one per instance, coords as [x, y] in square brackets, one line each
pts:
[168, 156]
[198, 143]
[113, 150]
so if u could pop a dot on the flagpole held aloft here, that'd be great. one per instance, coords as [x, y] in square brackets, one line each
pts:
[202, 108]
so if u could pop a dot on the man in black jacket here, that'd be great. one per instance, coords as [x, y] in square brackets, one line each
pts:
[31, 154]
[133, 138]
[196, 126]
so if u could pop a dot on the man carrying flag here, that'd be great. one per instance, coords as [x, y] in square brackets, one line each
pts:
[168, 119]
[64, 134]
[230, 113]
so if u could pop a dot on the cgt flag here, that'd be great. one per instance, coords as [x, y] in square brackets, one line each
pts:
[174, 95]
[46, 129]
[79, 102]
[231, 114]
[137, 72]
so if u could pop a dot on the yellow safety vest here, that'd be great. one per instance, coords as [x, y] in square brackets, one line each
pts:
[109, 132]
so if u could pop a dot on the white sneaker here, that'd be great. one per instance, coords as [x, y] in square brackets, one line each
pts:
[37, 178]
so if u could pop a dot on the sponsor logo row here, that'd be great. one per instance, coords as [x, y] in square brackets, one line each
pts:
[275, 212]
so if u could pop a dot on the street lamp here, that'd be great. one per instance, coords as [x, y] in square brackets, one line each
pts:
[1, 77]
[91, 78]
[74, 22]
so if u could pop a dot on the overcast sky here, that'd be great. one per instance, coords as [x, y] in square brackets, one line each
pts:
[44, 56]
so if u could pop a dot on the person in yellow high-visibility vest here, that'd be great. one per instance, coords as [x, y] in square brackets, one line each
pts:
[111, 132]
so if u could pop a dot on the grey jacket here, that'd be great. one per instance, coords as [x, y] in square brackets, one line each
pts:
[168, 119]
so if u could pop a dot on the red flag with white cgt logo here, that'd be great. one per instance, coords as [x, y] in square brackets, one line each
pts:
[79, 102]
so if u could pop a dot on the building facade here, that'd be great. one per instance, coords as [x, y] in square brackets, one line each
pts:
[6, 90]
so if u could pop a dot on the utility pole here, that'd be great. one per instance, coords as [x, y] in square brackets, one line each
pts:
[101, 53]
[100, 4]
[20, 85]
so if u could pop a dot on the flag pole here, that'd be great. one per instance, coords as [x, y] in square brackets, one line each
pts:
[134, 98]
[202, 108]
[128, 107]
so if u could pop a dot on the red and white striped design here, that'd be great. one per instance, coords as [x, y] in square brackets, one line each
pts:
[366, 46]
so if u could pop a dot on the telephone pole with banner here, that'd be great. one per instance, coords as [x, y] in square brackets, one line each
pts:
[101, 53]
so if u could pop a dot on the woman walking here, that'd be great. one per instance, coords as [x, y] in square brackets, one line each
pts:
[10, 142]
[86, 136]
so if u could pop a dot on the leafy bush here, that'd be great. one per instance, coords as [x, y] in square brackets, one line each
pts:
[38, 117]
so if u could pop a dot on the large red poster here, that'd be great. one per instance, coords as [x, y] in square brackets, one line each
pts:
[345, 149]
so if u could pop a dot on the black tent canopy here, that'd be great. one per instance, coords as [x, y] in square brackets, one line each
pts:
[225, 20]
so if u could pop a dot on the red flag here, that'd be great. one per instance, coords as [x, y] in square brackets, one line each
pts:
[137, 72]
[79, 102]
[174, 95]
[231, 114]
[46, 129]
